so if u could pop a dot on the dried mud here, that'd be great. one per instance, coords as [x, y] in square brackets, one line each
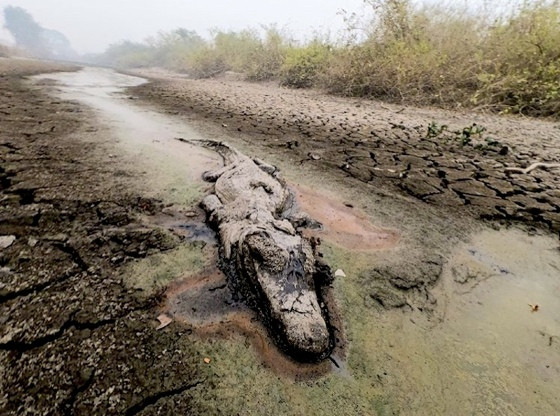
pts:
[74, 339]
[389, 147]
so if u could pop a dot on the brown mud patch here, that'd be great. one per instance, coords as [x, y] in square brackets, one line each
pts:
[247, 326]
[343, 224]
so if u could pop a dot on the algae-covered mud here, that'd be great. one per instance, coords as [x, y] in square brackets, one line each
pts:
[435, 312]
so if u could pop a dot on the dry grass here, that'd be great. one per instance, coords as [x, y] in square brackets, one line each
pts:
[447, 56]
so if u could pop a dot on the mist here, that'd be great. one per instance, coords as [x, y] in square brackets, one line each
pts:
[92, 26]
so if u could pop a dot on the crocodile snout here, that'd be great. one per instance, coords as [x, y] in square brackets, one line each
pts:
[282, 269]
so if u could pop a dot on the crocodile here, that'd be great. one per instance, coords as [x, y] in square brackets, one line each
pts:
[258, 225]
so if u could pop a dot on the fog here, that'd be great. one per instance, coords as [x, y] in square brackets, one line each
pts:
[92, 25]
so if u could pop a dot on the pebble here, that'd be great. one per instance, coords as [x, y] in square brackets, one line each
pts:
[6, 241]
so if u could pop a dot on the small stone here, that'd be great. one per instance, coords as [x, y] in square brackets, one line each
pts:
[59, 238]
[6, 241]
[339, 273]
[32, 242]
[207, 360]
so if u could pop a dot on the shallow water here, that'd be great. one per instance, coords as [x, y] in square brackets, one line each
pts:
[482, 350]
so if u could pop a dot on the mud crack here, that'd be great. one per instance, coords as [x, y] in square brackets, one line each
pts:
[151, 400]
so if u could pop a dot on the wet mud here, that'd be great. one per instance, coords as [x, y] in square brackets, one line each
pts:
[407, 301]
[342, 223]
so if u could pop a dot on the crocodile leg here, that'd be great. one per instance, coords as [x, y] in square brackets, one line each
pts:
[213, 207]
[265, 167]
[214, 175]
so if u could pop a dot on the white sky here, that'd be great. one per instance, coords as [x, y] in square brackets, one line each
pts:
[91, 25]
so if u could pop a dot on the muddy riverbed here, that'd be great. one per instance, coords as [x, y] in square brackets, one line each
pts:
[437, 312]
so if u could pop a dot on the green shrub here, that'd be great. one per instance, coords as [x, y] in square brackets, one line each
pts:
[302, 65]
[173, 49]
[450, 56]
[128, 55]
[266, 59]
[425, 55]
[244, 52]
[205, 63]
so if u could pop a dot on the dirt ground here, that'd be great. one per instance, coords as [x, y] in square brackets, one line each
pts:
[73, 338]
[447, 159]
[77, 220]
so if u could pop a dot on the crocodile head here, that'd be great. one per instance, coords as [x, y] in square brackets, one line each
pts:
[280, 268]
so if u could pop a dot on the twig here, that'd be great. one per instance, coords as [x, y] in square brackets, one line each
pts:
[532, 167]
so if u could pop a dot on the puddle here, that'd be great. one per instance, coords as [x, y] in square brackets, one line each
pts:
[484, 351]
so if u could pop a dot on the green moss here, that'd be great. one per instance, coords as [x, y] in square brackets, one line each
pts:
[155, 272]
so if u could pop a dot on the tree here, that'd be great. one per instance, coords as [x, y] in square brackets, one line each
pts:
[26, 32]
[38, 41]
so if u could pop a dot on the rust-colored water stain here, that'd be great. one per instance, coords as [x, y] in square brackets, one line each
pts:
[246, 325]
[205, 303]
[343, 225]
[212, 275]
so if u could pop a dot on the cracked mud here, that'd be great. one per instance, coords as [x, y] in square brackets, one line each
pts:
[391, 147]
[73, 338]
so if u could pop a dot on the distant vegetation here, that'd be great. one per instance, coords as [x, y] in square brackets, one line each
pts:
[424, 55]
[33, 39]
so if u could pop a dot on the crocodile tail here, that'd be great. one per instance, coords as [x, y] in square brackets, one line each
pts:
[228, 153]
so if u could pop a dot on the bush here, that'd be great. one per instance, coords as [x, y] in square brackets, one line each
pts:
[302, 65]
[522, 68]
[205, 62]
[426, 56]
[127, 55]
[265, 60]
[244, 52]
[448, 56]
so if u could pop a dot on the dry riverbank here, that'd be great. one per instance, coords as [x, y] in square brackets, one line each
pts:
[462, 167]
[74, 339]
[100, 233]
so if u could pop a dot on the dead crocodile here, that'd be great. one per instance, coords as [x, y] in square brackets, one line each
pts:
[252, 210]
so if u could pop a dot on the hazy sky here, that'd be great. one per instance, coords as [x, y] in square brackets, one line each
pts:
[91, 25]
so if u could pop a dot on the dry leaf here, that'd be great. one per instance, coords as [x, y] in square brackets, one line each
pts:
[534, 308]
[164, 320]
[339, 273]
[207, 360]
